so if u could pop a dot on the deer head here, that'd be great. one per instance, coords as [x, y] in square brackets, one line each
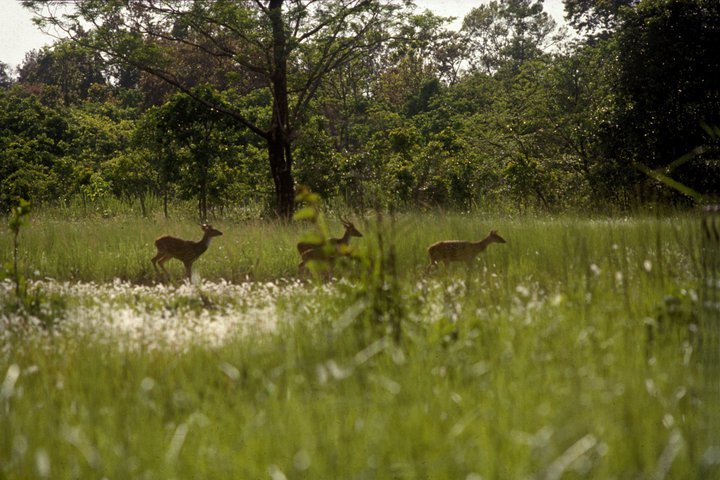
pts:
[210, 231]
[350, 230]
[494, 237]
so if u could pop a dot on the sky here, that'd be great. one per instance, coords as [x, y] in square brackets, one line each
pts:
[19, 35]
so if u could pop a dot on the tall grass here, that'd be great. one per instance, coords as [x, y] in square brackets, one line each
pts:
[100, 250]
[568, 352]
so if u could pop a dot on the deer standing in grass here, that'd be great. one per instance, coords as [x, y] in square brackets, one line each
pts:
[460, 251]
[330, 250]
[186, 251]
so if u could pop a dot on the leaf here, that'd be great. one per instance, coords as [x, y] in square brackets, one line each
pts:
[311, 238]
[305, 213]
[669, 182]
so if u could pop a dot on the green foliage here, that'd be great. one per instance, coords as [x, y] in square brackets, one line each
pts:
[6, 80]
[504, 35]
[409, 114]
[200, 137]
[595, 17]
[284, 51]
[317, 159]
[318, 238]
[18, 218]
[67, 65]
[666, 88]
[33, 134]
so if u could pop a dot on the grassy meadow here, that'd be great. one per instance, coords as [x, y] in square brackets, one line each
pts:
[578, 349]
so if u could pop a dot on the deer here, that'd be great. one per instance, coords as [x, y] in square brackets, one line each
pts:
[448, 251]
[186, 251]
[330, 250]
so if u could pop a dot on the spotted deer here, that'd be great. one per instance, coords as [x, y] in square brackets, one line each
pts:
[332, 249]
[448, 251]
[186, 251]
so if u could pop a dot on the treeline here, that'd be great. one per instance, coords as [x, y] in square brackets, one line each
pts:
[371, 104]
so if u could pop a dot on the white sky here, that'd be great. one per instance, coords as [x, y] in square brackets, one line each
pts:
[19, 35]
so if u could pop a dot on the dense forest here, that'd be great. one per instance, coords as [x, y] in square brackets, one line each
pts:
[232, 105]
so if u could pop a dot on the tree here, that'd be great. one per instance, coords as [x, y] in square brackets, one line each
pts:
[70, 67]
[33, 136]
[285, 47]
[667, 86]
[130, 175]
[579, 93]
[596, 17]
[151, 136]
[418, 54]
[506, 34]
[6, 80]
[200, 136]
[200, 153]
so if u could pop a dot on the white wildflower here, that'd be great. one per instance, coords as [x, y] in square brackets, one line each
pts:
[523, 290]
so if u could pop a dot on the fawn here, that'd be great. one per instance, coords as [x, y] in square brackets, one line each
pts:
[332, 249]
[460, 251]
[186, 251]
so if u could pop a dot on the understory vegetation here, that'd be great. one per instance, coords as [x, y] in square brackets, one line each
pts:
[577, 349]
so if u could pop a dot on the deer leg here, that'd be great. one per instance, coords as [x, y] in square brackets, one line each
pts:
[155, 259]
[431, 267]
[188, 269]
[161, 262]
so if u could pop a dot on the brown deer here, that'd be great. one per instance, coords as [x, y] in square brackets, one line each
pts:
[460, 251]
[330, 250]
[186, 251]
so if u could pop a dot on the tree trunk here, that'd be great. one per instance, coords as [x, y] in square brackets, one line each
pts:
[143, 209]
[281, 168]
[165, 202]
[202, 198]
[279, 136]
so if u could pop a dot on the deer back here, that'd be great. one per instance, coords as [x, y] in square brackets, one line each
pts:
[459, 250]
[303, 247]
[454, 250]
[181, 249]
[186, 250]
[319, 252]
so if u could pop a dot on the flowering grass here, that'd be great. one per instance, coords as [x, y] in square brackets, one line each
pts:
[576, 350]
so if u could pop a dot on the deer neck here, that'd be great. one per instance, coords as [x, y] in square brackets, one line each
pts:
[483, 244]
[204, 242]
[344, 240]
